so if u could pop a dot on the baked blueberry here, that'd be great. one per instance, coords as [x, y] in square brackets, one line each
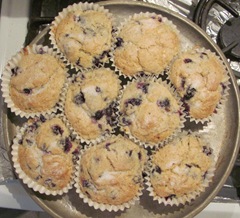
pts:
[183, 82]
[68, 145]
[42, 118]
[119, 42]
[79, 99]
[158, 169]
[187, 60]
[164, 104]
[98, 89]
[98, 115]
[203, 54]
[143, 86]
[133, 101]
[27, 91]
[189, 93]
[57, 130]
[126, 122]
[86, 183]
[207, 150]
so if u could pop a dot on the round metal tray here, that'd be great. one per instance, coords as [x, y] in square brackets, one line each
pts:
[223, 132]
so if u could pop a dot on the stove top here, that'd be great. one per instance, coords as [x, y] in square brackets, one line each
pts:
[217, 21]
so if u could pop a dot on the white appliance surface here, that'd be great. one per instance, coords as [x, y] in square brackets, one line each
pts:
[13, 28]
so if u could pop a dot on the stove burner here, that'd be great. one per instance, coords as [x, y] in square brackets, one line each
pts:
[203, 8]
[229, 38]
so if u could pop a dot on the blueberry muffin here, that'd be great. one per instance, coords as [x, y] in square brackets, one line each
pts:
[83, 36]
[146, 43]
[181, 167]
[89, 105]
[46, 155]
[36, 82]
[111, 172]
[198, 76]
[149, 111]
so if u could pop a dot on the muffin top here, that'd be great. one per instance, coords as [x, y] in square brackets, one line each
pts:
[36, 83]
[180, 167]
[46, 153]
[89, 103]
[111, 172]
[149, 111]
[84, 37]
[198, 76]
[146, 43]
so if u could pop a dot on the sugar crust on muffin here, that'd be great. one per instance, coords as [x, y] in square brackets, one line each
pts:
[111, 172]
[146, 44]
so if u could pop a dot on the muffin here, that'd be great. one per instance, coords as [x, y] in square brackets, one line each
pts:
[180, 170]
[33, 81]
[199, 76]
[110, 173]
[149, 111]
[146, 43]
[44, 155]
[83, 35]
[89, 105]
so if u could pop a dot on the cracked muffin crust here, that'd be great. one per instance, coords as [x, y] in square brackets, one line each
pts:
[32, 81]
[149, 111]
[180, 167]
[198, 76]
[111, 172]
[46, 154]
[84, 37]
[146, 43]
[89, 105]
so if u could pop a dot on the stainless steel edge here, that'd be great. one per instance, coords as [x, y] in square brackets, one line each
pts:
[235, 90]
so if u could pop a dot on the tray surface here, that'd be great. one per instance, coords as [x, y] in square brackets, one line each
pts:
[223, 132]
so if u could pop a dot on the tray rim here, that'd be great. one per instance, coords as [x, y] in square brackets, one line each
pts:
[194, 212]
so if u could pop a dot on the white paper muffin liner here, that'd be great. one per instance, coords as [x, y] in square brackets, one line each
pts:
[103, 206]
[224, 86]
[83, 7]
[23, 176]
[187, 198]
[6, 78]
[127, 131]
[104, 134]
[135, 17]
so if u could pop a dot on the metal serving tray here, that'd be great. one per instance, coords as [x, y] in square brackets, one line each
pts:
[223, 132]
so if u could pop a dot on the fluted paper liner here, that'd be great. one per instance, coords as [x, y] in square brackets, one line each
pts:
[224, 87]
[24, 177]
[137, 16]
[7, 74]
[102, 206]
[187, 198]
[178, 129]
[83, 7]
[103, 135]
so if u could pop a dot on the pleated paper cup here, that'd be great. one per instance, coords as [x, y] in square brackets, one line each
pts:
[129, 105]
[91, 88]
[85, 61]
[91, 152]
[204, 79]
[32, 176]
[37, 107]
[186, 196]
[140, 45]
